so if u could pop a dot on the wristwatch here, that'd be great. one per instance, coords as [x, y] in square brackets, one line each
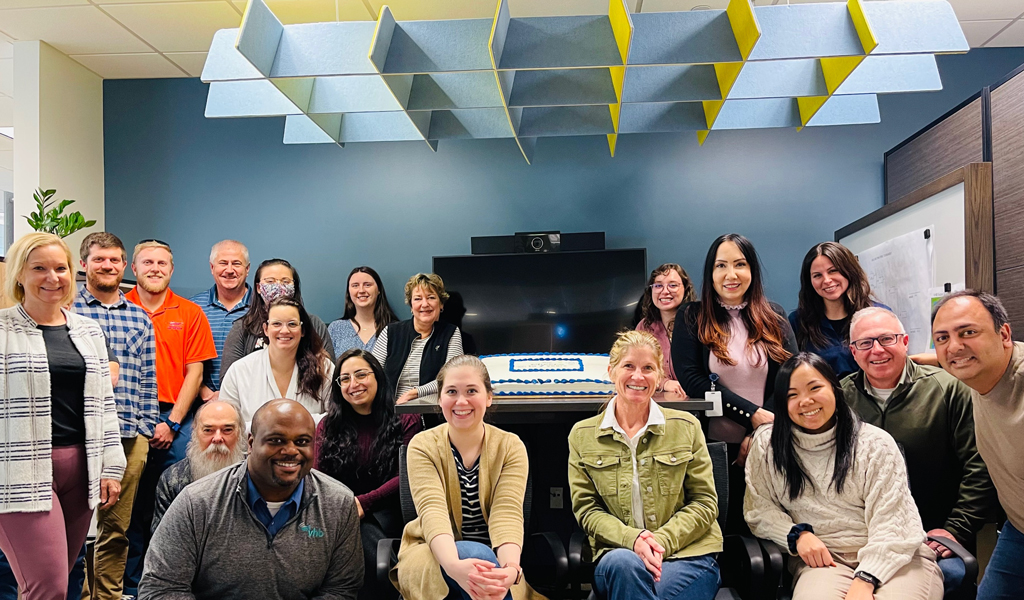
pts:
[175, 427]
[519, 572]
[794, 535]
[868, 577]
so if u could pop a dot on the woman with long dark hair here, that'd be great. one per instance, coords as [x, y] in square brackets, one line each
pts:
[358, 443]
[367, 312]
[294, 365]
[274, 278]
[833, 287]
[668, 288]
[834, 491]
[733, 340]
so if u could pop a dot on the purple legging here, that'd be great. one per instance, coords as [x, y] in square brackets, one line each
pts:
[42, 546]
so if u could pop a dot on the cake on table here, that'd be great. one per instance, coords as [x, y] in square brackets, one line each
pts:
[549, 374]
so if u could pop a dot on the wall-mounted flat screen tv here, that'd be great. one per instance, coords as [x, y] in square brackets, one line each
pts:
[543, 302]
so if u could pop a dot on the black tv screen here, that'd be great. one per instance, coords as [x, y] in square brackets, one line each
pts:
[543, 302]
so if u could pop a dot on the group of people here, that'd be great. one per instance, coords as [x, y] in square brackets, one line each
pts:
[236, 446]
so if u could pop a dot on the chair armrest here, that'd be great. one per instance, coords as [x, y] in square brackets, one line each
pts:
[970, 562]
[775, 566]
[557, 559]
[387, 551]
[742, 565]
[577, 542]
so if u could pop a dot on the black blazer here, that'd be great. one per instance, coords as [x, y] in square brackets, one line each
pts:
[690, 361]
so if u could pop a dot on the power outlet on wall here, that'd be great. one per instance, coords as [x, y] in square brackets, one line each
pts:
[556, 497]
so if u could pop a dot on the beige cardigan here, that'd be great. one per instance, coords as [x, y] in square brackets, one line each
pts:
[434, 481]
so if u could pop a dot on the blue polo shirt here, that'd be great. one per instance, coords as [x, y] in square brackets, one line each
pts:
[259, 507]
[221, 319]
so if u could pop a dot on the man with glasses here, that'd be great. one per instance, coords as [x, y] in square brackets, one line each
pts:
[929, 413]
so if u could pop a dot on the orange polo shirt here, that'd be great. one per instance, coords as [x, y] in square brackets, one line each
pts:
[183, 337]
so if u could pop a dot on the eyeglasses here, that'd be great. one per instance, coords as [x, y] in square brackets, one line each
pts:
[359, 376]
[289, 325]
[886, 339]
[657, 287]
[272, 281]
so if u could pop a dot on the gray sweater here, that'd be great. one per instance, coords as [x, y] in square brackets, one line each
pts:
[210, 545]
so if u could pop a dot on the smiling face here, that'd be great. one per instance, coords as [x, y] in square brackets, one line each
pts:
[882, 365]
[358, 384]
[811, 402]
[426, 306]
[104, 268]
[826, 279]
[229, 267]
[153, 268]
[636, 376]
[280, 448]
[663, 294]
[46, 277]
[362, 289]
[464, 398]
[969, 346]
[283, 328]
[731, 274]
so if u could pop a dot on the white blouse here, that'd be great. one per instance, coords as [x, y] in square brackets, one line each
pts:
[249, 384]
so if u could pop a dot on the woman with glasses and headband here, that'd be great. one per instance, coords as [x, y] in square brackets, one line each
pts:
[668, 288]
[275, 278]
[294, 365]
[357, 443]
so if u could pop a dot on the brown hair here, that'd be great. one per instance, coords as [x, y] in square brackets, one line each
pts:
[427, 281]
[103, 240]
[811, 308]
[650, 312]
[465, 360]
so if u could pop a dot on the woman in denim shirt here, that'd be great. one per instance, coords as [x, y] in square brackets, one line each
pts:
[642, 487]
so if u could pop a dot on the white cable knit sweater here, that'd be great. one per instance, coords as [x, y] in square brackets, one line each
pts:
[875, 515]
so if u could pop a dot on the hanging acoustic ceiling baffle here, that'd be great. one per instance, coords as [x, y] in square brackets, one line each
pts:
[745, 67]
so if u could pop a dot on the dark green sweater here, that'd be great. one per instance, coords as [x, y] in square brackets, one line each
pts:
[931, 416]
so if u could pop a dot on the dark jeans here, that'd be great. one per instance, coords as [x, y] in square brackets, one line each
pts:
[470, 550]
[376, 526]
[621, 575]
[9, 585]
[1004, 578]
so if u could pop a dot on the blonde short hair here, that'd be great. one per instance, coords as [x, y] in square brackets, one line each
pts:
[429, 281]
[627, 340]
[151, 244]
[17, 258]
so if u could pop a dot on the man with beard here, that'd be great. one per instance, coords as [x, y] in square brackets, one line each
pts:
[183, 342]
[224, 303]
[217, 429]
[269, 527]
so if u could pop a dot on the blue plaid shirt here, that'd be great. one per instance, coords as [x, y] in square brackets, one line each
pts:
[129, 333]
[221, 319]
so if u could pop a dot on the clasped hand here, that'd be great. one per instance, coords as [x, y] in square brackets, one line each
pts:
[649, 551]
[814, 554]
[481, 579]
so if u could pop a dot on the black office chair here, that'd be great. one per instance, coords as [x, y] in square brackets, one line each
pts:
[741, 562]
[543, 560]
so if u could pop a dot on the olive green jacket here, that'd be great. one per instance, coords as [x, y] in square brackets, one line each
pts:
[676, 481]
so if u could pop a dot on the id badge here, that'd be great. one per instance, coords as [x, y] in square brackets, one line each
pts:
[715, 397]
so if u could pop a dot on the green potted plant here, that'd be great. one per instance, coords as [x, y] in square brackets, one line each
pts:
[52, 219]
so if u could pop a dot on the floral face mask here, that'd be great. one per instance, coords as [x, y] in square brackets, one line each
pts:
[273, 291]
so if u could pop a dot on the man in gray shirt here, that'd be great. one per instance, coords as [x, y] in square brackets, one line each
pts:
[268, 527]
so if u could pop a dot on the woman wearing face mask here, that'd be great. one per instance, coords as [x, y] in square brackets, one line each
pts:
[412, 352]
[660, 544]
[367, 312]
[834, 491]
[668, 288]
[833, 287]
[293, 365]
[473, 476]
[358, 443]
[275, 278]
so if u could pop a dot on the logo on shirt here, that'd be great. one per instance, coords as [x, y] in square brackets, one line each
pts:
[176, 325]
[313, 532]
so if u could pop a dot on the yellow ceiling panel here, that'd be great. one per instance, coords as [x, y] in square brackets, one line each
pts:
[416, 10]
[129, 66]
[190, 61]
[71, 29]
[317, 11]
[177, 26]
[38, 4]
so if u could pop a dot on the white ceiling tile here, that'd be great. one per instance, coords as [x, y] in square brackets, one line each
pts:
[6, 111]
[987, 10]
[129, 66]
[6, 144]
[415, 10]
[318, 11]
[176, 26]
[6, 49]
[7, 76]
[1011, 36]
[190, 61]
[650, 6]
[979, 32]
[7, 160]
[71, 29]
[38, 3]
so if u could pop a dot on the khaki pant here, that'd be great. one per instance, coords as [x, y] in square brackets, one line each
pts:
[111, 526]
[920, 579]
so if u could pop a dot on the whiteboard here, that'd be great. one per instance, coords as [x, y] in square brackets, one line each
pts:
[943, 214]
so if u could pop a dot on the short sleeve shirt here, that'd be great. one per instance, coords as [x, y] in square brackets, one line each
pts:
[183, 336]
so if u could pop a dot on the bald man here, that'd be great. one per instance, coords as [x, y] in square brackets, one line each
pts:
[266, 528]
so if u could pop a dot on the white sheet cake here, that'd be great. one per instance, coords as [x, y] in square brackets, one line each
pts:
[549, 374]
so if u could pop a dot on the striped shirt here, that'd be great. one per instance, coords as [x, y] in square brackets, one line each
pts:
[474, 527]
[410, 377]
[221, 319]
[129, 334]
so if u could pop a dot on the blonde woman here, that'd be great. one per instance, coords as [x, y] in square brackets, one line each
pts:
[468, 480]
[642, 487]
[60, 453]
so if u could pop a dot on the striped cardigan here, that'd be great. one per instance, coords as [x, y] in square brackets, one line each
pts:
[26, 468]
